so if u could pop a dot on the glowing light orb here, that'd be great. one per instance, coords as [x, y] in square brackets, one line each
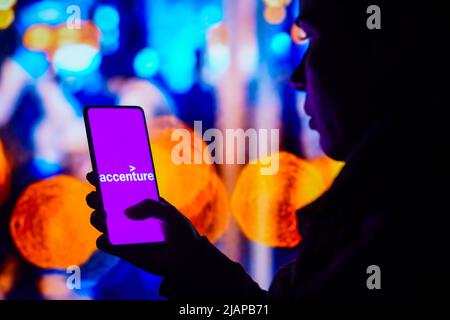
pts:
[146, 63]
[265, 205]
[195, 189]
[38, 37]
[76, 59]
[274, 15]
[6, 18]
[5, 174]
[280, 43]
[50, 224]
[88, 34]
[106, 18]
[328, 168]
[7, 4]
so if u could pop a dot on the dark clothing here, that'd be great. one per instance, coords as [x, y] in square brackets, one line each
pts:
[386, 208]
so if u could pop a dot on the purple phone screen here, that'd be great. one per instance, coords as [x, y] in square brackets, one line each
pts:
[123, 160]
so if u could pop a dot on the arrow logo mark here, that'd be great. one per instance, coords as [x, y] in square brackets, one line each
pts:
[132, 168]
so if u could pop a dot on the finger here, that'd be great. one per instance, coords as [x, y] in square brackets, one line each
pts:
[161, 199]
[93, 200]
[98, 220]
[92, 178]
[104, 245]
[147, 209]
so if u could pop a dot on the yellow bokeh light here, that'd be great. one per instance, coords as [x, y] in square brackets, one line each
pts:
[38, 37]
[50, 224]
[6, 18]
[275, 15]
[265, 205]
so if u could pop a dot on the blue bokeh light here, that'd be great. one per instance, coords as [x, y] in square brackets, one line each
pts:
[146, 63]
[280, 43]
[106, 18]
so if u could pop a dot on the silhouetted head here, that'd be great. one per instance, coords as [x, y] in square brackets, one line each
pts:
[355, 76]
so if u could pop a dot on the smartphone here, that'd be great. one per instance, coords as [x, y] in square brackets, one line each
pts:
[121, 157]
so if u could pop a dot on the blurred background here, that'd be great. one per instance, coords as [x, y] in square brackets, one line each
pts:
[224, 62]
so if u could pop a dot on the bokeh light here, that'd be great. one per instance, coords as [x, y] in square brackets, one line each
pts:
[281, 43]
[328, 168]
[5, 174]
[39, 37]
[265, 205]
[76, 59]
[50, 223]
[106, 18]
[274, 3]
[195, 189]
[7, 4]
[49, 12]
[275, 15]
[6, 18]
[146, 63]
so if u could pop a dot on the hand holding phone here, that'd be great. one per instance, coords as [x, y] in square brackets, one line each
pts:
[156, 258]
[121, 157]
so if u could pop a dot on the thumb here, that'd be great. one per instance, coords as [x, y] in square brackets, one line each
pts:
[147, 209]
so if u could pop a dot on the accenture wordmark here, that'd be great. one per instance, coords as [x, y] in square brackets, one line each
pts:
[125, 177]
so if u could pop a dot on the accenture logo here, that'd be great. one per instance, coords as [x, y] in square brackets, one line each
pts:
[126, 177]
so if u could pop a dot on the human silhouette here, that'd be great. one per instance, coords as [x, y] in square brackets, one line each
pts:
[375, 98]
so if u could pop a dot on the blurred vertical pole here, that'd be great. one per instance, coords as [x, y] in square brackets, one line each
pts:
[239, 17]
[267, 116]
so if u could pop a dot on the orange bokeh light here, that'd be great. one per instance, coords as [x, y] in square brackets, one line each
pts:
[274, 15]
[50, 223]
[265, 205]
[194, 189]
[39, 37]
[46, 38]
[8, 275]
[328, 168]
[5, 174]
